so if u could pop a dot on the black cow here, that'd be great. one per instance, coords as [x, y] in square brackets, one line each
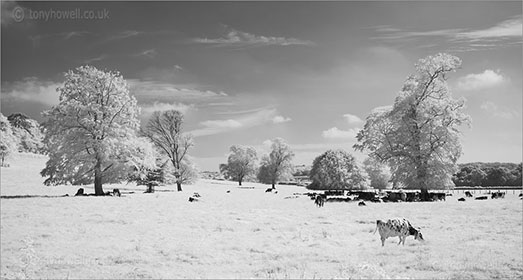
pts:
[362, 203]
[116, 192]
[498, 195]
[461, 199]
[191, 199]
[80, 192]
[268, 190]
[196, 194]
[319, 201]
[468, 194]
[481, 198]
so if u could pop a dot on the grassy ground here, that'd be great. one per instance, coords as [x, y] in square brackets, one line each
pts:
[246, 233]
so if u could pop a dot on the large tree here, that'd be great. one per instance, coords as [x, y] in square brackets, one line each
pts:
[241, 163]
[379, 173]
[164, 129]
[277, 165]
[419, 135]
[8, 141]
[337, 169]
[92, 133]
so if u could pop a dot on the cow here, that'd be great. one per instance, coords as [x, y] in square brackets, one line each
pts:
[80, 192]
[319, 201]
[461, 199]
[196, 195]
[481, 198]
[362, 203]
[498, 195]
[191, 199]
[116, 192]
[468, 194]
[399, 227]
[229, 191]
[268, 190]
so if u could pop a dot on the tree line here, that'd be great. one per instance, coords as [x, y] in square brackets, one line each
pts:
[488, 174]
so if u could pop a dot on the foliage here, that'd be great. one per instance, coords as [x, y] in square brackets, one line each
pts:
[337, 169]
[241, 163]
[8, 141]
[277, 165]
[419, 136]
[28, 132]
[488, 174]
[164, 129]
[378, 172]
[92, 132]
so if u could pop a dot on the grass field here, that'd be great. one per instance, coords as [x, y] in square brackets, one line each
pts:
[246, 233]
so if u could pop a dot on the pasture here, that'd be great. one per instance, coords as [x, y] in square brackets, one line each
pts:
[246, 233]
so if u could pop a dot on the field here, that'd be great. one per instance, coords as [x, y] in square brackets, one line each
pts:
[246, 233]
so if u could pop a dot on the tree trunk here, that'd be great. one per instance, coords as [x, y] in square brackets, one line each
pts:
[98, 190]
[273, 185]
[179, 185]
[240, 182]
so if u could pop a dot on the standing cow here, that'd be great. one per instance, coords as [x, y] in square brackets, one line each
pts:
[399, 227]
[319, 201]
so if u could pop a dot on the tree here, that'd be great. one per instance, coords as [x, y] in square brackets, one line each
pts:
[165, 131]
[419, 136]
[379, 173]
[8, 141]
[337, 169]
[241, 163]
[28, 132]
[277, 165]
[92, 132]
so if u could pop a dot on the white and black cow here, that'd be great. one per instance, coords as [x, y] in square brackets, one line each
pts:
[399, 227]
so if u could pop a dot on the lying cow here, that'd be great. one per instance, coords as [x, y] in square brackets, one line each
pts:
[319, 201]
[399, 227]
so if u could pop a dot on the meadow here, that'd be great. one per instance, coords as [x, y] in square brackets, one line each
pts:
[246, 233]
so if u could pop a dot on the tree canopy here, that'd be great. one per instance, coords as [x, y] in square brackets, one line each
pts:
[337, 169]
[419, 135]
[8, 141]
[28, 132]
[92, 133]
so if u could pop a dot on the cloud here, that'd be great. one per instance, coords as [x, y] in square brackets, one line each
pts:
[240, 39]
[487, 79]
[156, 89]
[494, 110]
[151, 53]
[148, 109]
[211, 127]
[353, 119]
[503, 34]
[280, 119]
[336, 133]
[32, 89]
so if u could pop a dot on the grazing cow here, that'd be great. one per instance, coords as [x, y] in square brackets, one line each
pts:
[468, 194]
[191, 199]
[461, 199]
[362, 203]
[319, 201]
[268, 190]
[80, 192]
[498, 195]
[116, 192]
[399, 227]
[481, 198]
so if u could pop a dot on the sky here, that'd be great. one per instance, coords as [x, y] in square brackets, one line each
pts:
[244, 73]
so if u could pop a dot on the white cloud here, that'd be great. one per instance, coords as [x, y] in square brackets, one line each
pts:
[154, 89]
[487, 79]
[280, 119]
[151, 53]
[240, 39]
[507, 28]
[32, 89]
[494, 110]
[352, 119]
[159, 106]
[211, 127]
[336, 133]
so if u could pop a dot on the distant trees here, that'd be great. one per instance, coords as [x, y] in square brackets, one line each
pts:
[488, 174]
[29, 133]
[92, 133]
[337, 169]
[241, 163]
[378, 172]
[8, 141]
[419, 136]
[164, 129]
[277, 165]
